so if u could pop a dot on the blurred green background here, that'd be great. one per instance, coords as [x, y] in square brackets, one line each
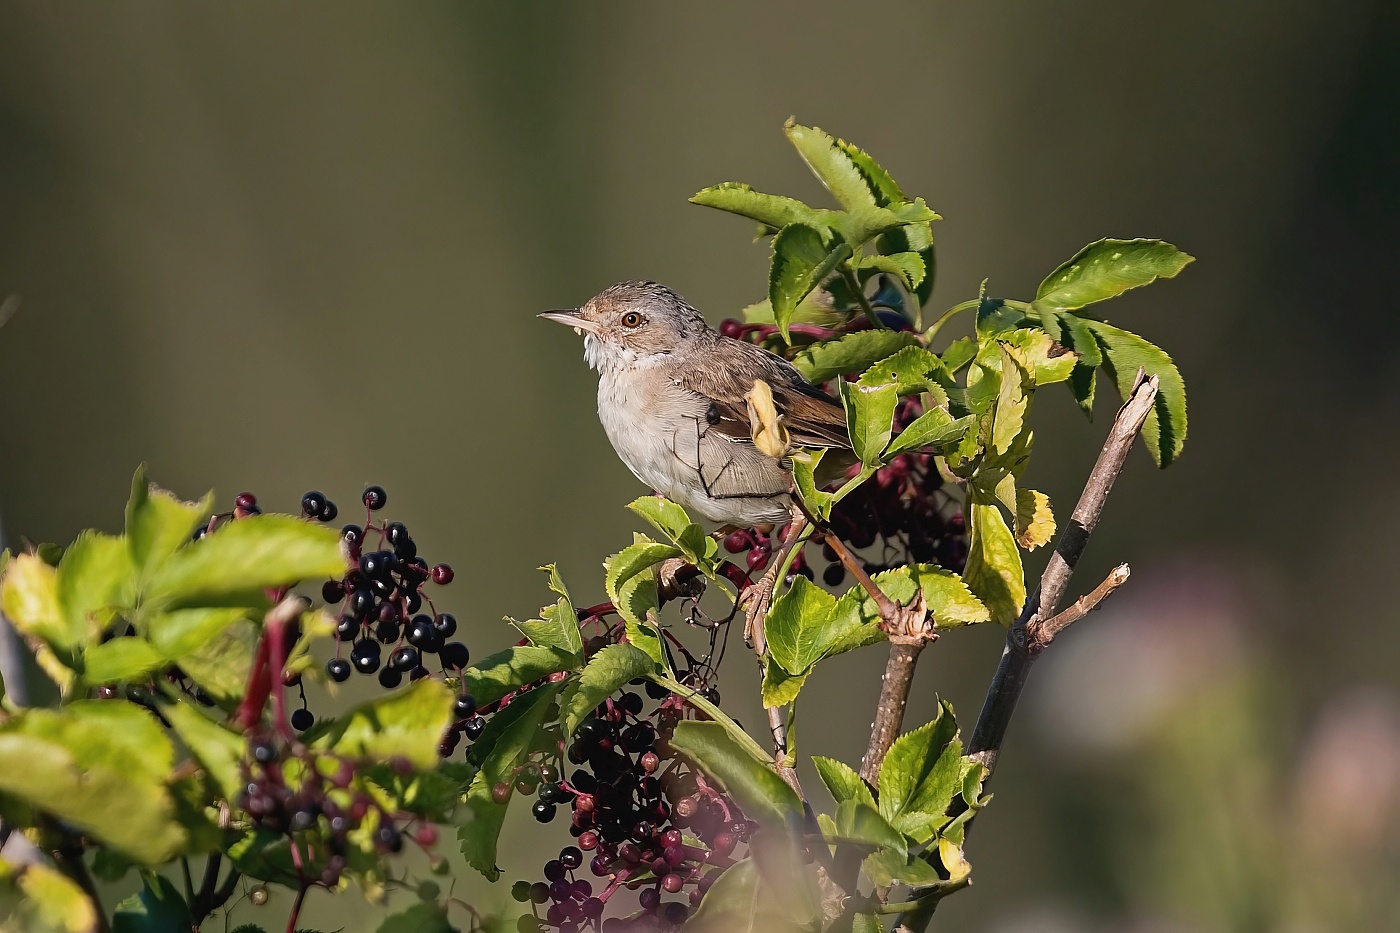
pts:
[277, 247]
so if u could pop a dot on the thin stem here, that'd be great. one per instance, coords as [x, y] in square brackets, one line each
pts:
[189, 882]
[296, 907]
[883, 603]
[865, 306]
[947, 316]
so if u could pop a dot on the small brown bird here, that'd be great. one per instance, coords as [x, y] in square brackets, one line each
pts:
[677, 400]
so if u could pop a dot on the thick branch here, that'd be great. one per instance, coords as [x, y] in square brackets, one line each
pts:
[1022, 647]
[1038, 625]
[889, 711]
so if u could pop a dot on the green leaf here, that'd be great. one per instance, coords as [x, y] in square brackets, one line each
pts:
[158, 523]
[734, 903]
[771, 210]
[995, 317]
[671, 520]
[796, 625]
[1108, 268]
[94, 579]
[804, 477]
[779, 687]
[35, 898]
[887, 867]
[408, 723]
[959, 353]
[909, 267]
[801, 260]
[921, 775]
[849, 353]
[508, 736]
[882, 186]
[696, 699]
[993, 572]
[916, 238]
[861, 824]
[156, 908]
[935, 429]
[606, 673]
[1046, 360]
[424, 917]
[218, 750]
[869, 418]
[559, 628]
[185, 631]
[1164, 432]
[121, 660]
[29, 598]
[832, 164]
[752, 782]
[221, 664]
[912, 369]
[235, 564]
[843, 782]
[1013, 399]
[632, 561]
[1075, 334]
[74, 762]
[866, 923]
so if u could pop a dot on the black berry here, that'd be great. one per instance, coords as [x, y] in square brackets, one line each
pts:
[338, 669]
[375, 497]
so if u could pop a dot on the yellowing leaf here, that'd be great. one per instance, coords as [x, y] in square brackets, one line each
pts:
[30, 600]
[769, 435]
[993, 572]
[1035, 523]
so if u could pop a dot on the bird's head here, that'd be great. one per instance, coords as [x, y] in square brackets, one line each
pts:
[634, 324]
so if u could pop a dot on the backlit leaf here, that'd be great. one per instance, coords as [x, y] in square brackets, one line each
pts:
[217, 749]
[869, 418]
[408, 723]
[494, 676]
[121, 660]
[993, 572]
[920, 776]
[241, 559]
[771, 210]
[30, 601]
[797, 625]
[842, 781]
[832, 164]
[158, 523]
[934, 429]
[1035, 523]
[1108, 268]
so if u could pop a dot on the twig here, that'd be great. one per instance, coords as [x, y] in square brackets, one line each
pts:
[1039, 637]
[1030, 635]
[909, 630]
[755, 617]
[296, 907]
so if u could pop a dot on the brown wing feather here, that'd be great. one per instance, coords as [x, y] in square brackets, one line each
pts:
[726, 375]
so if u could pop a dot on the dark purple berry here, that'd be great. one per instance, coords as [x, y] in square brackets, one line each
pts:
[464, 706]
[454, 655]
[361, 601]
[377, 564]
[332, 591]
[302, 719]
[473, 728]
[312, 504]
[649, 898]
[389, 678]
[422, 635]
[365, 656]
[404, 659]
[353, 534]
[346, 628]
[442, 574]
[374, 498]
[338, 669]
[736, 541]
[245, 501]
[520, 891]
[543, 812]
[445, 623]
[330, 513]
[570, 857]
[676, 913]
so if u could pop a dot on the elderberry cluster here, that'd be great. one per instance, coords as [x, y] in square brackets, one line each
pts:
[903, 509]
[292, 790]
[382, 596]
[652, 824]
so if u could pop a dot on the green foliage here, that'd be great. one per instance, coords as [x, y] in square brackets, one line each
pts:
[119, 612]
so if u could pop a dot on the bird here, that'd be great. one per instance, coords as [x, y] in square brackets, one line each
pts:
[688, 410]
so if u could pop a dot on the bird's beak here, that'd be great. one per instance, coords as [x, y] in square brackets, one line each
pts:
[573, 317]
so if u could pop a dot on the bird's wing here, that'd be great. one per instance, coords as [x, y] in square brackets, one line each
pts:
[812, 418]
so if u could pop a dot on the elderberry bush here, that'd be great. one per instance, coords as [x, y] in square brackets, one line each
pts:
[182, 648]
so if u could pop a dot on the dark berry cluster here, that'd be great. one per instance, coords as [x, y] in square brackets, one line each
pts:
[380, 620]
[653, 825]
[903, 509]
[311, 797]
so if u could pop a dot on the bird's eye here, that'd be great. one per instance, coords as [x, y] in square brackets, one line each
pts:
[631, 319]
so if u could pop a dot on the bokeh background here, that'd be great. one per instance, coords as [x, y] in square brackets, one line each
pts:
[285, 246]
